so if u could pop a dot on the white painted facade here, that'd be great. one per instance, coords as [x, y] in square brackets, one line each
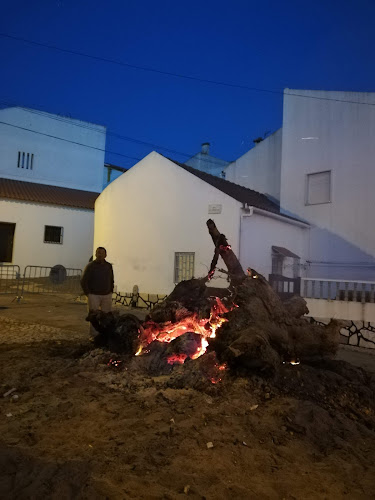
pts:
[259, 168]
[261, 230]
[28, 245]
[157, 208]
[66, 152]
[323, 133]
[48, 149]
[205, 162]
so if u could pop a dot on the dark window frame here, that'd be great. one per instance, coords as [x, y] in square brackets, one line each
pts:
[50, 235]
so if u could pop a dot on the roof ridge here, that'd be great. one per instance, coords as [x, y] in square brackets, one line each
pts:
[220, 179]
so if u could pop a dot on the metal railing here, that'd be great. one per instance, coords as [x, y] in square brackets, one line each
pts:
[9, 279]
[140, 300]
[56, 279]
[285, 287]
[345, 290]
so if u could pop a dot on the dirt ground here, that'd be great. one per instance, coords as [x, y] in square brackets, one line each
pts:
[76, 428]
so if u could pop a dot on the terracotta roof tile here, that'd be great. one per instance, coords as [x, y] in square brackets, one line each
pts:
[43, 193]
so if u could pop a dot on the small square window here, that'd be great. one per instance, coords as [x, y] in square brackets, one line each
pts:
[183, 266]
[318, 188]
[53, 234]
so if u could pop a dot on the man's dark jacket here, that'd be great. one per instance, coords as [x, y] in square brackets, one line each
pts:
[97, 278]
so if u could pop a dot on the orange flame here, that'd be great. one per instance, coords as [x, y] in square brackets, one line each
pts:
[176, 359]
[169, 331]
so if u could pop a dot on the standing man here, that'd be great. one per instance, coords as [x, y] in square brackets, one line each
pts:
[97, 283]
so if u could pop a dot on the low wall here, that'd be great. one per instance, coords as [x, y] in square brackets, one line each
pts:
[359, 319]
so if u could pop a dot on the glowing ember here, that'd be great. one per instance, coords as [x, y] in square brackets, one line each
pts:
[114, 362]
[210, 274]
[225, 248]
[251, 273]
[205, 327]
[292, 362]
[222, 367]
[176, 359]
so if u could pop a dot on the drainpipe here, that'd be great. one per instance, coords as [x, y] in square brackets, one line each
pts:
[248, 213]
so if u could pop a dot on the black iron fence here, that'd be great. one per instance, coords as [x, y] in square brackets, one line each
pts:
[138, 300]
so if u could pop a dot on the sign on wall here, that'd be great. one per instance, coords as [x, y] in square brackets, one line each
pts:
[215, 209]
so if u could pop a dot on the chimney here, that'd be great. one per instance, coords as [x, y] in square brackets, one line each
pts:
[205, 148]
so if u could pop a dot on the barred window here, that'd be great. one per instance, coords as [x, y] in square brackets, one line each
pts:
[183, 266]
[25, 160]
[53, 234]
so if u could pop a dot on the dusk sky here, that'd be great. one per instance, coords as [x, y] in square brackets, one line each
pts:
[269, 45]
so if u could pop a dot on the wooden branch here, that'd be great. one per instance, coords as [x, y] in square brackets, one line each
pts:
[224, 250]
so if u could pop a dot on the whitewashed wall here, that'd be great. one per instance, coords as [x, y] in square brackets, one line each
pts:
[320, 135]
[358, 319]
[259, 168]
[56, 162]
[207, 163]
[259, 233]
[154, 210]
[29, 247]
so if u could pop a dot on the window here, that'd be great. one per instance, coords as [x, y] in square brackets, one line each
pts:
[25, 160]
[183, 266]
[53, 234]
[6, 241]
[318, 188]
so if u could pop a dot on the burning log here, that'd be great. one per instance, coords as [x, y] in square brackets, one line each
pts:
[120, 333]
[224, 250]
[249, 329]
[262, 334]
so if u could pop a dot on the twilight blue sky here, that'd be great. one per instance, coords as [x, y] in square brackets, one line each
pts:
[269, 44]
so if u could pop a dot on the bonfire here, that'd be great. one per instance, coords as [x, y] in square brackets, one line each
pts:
[245, 328]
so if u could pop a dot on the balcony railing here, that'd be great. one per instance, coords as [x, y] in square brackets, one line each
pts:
[345, 290]
[285, 287]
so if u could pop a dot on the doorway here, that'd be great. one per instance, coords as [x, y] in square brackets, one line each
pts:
[6, 241]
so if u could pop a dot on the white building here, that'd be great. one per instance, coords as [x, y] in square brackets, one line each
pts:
[152, 220]
[207, 163]
[259, 168]
[51, 171]
[111, 172]
[320, 165]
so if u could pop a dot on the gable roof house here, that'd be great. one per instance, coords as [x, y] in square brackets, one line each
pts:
[153, 219]
[51, 172]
